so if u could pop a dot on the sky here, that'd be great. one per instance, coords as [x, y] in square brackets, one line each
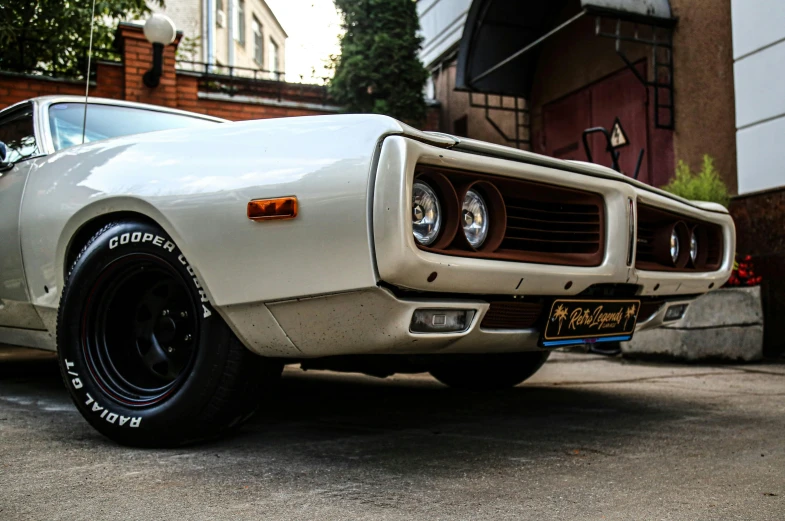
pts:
[313, 27]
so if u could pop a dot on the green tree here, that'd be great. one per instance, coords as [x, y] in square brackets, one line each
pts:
[53, 35]
[378, 70]
[705, 185]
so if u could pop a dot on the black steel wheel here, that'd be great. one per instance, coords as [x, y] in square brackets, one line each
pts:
[146, 358]
[140, 330]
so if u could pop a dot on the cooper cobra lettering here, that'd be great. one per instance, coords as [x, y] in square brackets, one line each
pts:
[157, 240]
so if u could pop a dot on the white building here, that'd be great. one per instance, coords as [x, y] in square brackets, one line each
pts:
[237, 33]
[759, 73]
[441, 22]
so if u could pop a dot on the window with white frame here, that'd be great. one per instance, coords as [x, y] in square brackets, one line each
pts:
[220, 14]
[258, 42]
[273, 60]
[239, 21]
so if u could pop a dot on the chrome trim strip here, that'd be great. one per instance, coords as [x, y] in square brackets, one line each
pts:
[631, 240]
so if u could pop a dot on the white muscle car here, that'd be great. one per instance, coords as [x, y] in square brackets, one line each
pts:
[176, 261]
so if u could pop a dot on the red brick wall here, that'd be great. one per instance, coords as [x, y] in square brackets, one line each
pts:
[760, 233]
[180, 90]
[270, 99]
[432, 118]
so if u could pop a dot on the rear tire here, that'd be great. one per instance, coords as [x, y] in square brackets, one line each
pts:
[491, 372]
[146, 358]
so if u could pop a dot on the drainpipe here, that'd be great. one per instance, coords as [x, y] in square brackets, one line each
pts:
[230, 32]
[208, 30]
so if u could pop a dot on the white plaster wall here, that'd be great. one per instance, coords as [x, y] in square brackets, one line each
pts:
[759, 75]
[441, 23]
[187, 16]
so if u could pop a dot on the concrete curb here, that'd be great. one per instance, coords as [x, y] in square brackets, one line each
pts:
[723, 325]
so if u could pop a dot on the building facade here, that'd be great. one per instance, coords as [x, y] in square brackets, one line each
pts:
[685, 78]
[759, 209]
[230, 33]
[582, 64]
[759, 56]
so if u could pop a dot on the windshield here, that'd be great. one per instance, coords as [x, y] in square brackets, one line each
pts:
[105, 121]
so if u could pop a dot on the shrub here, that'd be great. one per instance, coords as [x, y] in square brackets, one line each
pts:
[378, 70]
[705, 185]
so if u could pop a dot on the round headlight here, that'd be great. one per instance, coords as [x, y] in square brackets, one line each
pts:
[693, 247]
[474, 219]
[426, 213]
[675, 246]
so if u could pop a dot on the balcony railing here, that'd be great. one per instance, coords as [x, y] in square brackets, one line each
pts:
[247, 81]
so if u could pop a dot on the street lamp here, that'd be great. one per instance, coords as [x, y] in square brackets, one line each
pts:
[160, 31]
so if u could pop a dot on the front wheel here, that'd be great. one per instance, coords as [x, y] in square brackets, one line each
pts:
[146, 358]
[488, 372]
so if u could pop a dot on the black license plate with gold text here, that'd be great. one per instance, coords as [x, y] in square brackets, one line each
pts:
[589, 321]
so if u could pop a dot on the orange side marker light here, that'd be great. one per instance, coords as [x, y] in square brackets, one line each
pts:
[272, 209]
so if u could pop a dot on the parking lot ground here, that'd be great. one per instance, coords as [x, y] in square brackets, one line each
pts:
[586, 438]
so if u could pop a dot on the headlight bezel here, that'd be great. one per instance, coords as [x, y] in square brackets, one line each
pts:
[674, 245]
[663, 248]
[496, 216]
[448, 206]
[433, 205]
[475, 234]
[701, 235]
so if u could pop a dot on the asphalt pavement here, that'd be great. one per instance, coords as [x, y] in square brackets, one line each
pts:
[587, 438]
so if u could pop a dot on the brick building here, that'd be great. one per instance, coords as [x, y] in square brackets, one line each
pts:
[213, 92]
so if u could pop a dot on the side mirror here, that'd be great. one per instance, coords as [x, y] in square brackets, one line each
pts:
[3, 154]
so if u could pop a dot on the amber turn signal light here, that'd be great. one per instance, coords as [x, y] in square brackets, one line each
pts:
[272, 209]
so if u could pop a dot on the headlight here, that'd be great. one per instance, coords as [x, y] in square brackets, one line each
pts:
[693, 247]
[474, 217]
[426, 214]
[671, 245]
[675, 246]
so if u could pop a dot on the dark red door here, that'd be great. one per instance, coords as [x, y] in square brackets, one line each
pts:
[598, 105]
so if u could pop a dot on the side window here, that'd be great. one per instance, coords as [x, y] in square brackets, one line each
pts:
[16, 131]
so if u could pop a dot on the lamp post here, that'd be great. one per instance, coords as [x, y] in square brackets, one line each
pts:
[159, 31]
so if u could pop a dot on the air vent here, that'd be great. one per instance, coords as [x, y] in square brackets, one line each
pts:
[511, 315]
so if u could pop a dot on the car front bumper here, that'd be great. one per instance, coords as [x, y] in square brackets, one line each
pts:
[376, 321]
[401, 263]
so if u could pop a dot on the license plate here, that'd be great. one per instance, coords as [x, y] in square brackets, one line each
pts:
[590, 321]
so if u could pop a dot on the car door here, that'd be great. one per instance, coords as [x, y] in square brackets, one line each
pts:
[17, 132]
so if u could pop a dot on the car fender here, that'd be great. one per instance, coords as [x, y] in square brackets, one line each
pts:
[196, 183]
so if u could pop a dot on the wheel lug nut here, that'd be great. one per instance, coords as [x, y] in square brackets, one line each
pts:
[165, 312]
[183, 314]
[187, 338]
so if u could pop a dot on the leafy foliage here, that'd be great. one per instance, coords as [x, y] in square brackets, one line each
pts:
[53, 35]
[188, 50]
[378, 70]
[705, 185]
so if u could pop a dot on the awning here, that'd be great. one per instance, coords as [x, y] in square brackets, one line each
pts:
[500, 44]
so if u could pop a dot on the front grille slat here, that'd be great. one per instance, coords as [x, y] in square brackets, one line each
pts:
[519, 231]
[511, 315]
[525, 204]
[564, 228]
